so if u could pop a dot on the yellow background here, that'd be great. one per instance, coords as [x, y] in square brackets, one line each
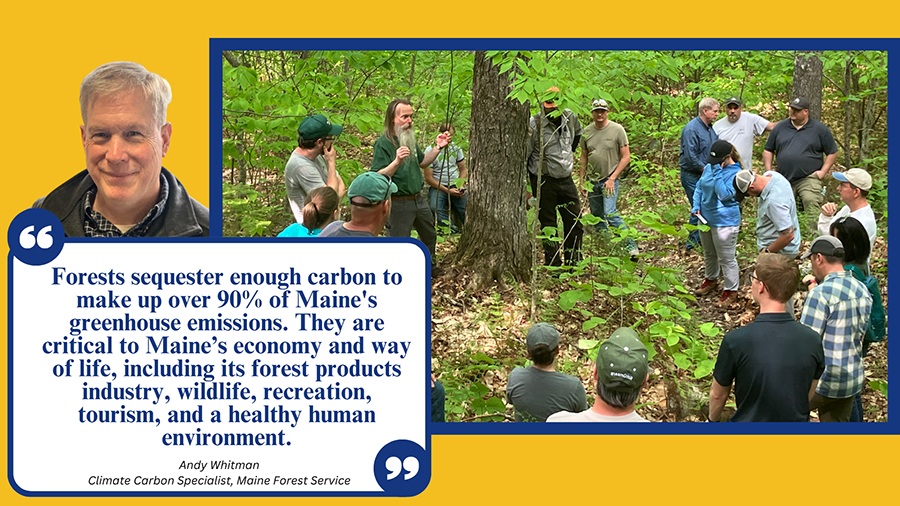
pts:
[48, 49]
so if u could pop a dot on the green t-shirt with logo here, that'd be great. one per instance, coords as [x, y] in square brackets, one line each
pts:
[603, 148]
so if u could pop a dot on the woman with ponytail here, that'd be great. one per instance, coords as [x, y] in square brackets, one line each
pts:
[321, 208]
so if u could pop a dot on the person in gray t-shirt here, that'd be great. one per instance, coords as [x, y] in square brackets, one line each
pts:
[312, 163]
[539, 391]
[621, 372]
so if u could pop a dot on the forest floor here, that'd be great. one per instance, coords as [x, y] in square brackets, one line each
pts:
[479, 337]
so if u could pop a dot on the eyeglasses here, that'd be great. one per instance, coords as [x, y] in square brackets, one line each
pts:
[750, 277]
[329, 138]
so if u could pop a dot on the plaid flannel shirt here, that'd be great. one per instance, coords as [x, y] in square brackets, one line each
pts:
[838, 309]
[96, 225]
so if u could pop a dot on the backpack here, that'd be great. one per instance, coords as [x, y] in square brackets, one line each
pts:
[876, 330]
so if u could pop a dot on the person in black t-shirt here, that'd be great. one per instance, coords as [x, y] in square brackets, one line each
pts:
[775, 362]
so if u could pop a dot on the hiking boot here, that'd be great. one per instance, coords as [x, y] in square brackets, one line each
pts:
[728, 298]
[708, 286]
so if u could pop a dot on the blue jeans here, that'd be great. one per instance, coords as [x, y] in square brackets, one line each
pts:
[603, 206]
[689, 183]
[438, 201]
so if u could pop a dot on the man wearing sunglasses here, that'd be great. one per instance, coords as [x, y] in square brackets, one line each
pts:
[370, 206]
[312, 163]
[773, 363]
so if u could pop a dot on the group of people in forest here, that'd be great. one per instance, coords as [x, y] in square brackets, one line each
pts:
[781, 369]
[813, 363]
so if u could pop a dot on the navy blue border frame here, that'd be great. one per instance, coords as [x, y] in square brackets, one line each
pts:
[426, 467]
[217, 45]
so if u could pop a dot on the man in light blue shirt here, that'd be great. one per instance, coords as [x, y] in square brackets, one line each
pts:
[777, 226]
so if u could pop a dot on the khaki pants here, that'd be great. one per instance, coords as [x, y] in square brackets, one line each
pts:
[808, 192]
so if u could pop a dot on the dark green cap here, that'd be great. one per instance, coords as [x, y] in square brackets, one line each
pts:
[372, 186]
[317, 126]
[622, 360]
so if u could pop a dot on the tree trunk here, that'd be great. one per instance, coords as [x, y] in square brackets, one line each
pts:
[868, 120]
[848, 109]
[808, 81]
[495, 241]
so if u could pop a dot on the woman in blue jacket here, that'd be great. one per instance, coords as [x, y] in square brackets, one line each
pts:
[717, 208]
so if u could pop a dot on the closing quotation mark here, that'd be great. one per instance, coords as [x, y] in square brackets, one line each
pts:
[43, 240]
[393, 464]
[402, 468]
[35, 236]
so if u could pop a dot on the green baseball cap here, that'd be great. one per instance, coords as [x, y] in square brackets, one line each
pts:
[317, 126]
[373, 186]
[622, 361]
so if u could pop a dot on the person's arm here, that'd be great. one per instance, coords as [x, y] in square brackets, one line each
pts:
[386, 158]
[724, 186]
[717, 397]
[334, 180]
[770, 126]
[698, 198]
[812, 389]
[829, 161]
[624, 160]
[784, 238]
[768, 156]
[582, 167]
[461, 166]
[440, 143]
[430, 180]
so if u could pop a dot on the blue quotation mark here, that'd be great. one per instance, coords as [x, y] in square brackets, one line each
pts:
[35, 236]
[402, 468]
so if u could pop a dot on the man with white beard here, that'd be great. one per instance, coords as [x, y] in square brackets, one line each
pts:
[409, 206]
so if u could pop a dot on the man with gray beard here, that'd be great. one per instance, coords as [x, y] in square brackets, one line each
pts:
[392, 158]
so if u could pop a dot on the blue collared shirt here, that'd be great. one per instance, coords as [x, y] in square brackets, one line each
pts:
[697, 139]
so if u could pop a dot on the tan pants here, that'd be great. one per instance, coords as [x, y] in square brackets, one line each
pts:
[808, 192]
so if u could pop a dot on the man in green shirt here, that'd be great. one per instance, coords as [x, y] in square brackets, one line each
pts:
[604, 156]
[392, 158]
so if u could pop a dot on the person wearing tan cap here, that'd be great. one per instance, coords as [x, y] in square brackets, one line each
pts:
[854, 188]
[560, 134]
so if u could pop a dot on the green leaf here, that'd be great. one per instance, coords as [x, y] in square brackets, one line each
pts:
[587, 344]
[482, 357]
[478, 390]
[591, 323]
[709, 329]
[682, 361]
[704, 368]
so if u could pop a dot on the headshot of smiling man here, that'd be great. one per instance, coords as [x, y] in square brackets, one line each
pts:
[125, 191]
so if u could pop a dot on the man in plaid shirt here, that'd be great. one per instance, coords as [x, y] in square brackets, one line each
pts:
[838, 309]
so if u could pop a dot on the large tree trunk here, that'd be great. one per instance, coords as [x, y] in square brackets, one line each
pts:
[808, 81]
[868, 120]
[495, 241]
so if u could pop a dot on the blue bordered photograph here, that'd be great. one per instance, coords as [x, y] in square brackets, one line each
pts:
[521, 258]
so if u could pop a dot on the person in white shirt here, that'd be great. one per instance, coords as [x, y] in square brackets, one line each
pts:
[854, 188]
[740, 128]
